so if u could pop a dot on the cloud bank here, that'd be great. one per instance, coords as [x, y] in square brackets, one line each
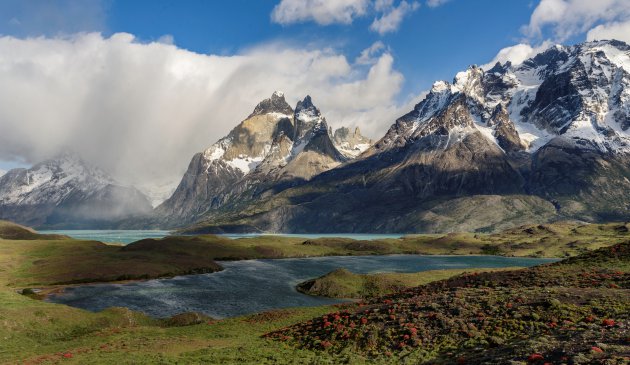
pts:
[388, 16]
[556, 21]
[140, 111]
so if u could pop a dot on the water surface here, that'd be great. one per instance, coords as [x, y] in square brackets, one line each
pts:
[110, 236]
[251, 286]
[128, 236]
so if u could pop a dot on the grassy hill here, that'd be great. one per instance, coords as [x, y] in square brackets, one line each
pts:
[571, 312]
[341, 283]
[30, 259]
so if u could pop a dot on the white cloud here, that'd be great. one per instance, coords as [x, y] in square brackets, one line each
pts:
[517, 54]
[566, 18]
[367, 56]
[166, 39]
[615, 30]
[436, 3]
[141, 111]
[562, 19]
[322, 12]
[392, 17]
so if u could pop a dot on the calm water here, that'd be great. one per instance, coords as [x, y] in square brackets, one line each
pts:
[111, 236]
[128, 236]
[257, 285]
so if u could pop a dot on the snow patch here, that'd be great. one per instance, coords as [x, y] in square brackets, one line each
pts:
[616, 56]
[245, 163]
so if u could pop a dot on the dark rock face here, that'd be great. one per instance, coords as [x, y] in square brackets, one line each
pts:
[557, 103]
[505, 132]
[200, 189]
[581, 181]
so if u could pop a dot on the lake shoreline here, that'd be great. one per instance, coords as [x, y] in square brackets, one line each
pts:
[46, 291]
[260, 285]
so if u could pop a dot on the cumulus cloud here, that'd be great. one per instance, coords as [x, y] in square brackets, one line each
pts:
[322, 12]
[326, 12]
[517, 54]
[566, 18]
[615, 30]
[367, 56]
[141, 110]
[559, 20]
[392, 16]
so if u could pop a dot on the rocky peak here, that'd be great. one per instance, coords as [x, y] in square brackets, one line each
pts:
[308, 119]
[275, 104]
[351, 144]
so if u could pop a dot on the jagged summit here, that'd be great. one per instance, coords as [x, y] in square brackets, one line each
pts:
[274, 144]
[275, 104]
[577, 93]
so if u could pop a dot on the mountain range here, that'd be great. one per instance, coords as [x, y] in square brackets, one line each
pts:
[543, 140]
[67, 192]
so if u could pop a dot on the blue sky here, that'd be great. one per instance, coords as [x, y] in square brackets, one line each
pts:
[137, 87]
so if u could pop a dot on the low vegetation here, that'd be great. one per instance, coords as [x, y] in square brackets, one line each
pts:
[342, 283]
[576, 311]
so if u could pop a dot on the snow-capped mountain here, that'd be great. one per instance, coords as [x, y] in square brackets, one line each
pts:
[274, 145]
[580, 93]
[545, 139]
[66, 191]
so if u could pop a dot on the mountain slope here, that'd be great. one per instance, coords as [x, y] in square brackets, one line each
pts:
[273, 148]
[546, 139]
[66, 192]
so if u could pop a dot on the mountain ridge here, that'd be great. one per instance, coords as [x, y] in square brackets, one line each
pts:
[275, 146]
[67, 191]
[547, 139]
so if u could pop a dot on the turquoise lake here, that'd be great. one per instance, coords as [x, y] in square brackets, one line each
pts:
[251, 286]
[128, 236]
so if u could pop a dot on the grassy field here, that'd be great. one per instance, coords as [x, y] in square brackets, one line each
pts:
[342, 283]
[550, 240]
[37, 332]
